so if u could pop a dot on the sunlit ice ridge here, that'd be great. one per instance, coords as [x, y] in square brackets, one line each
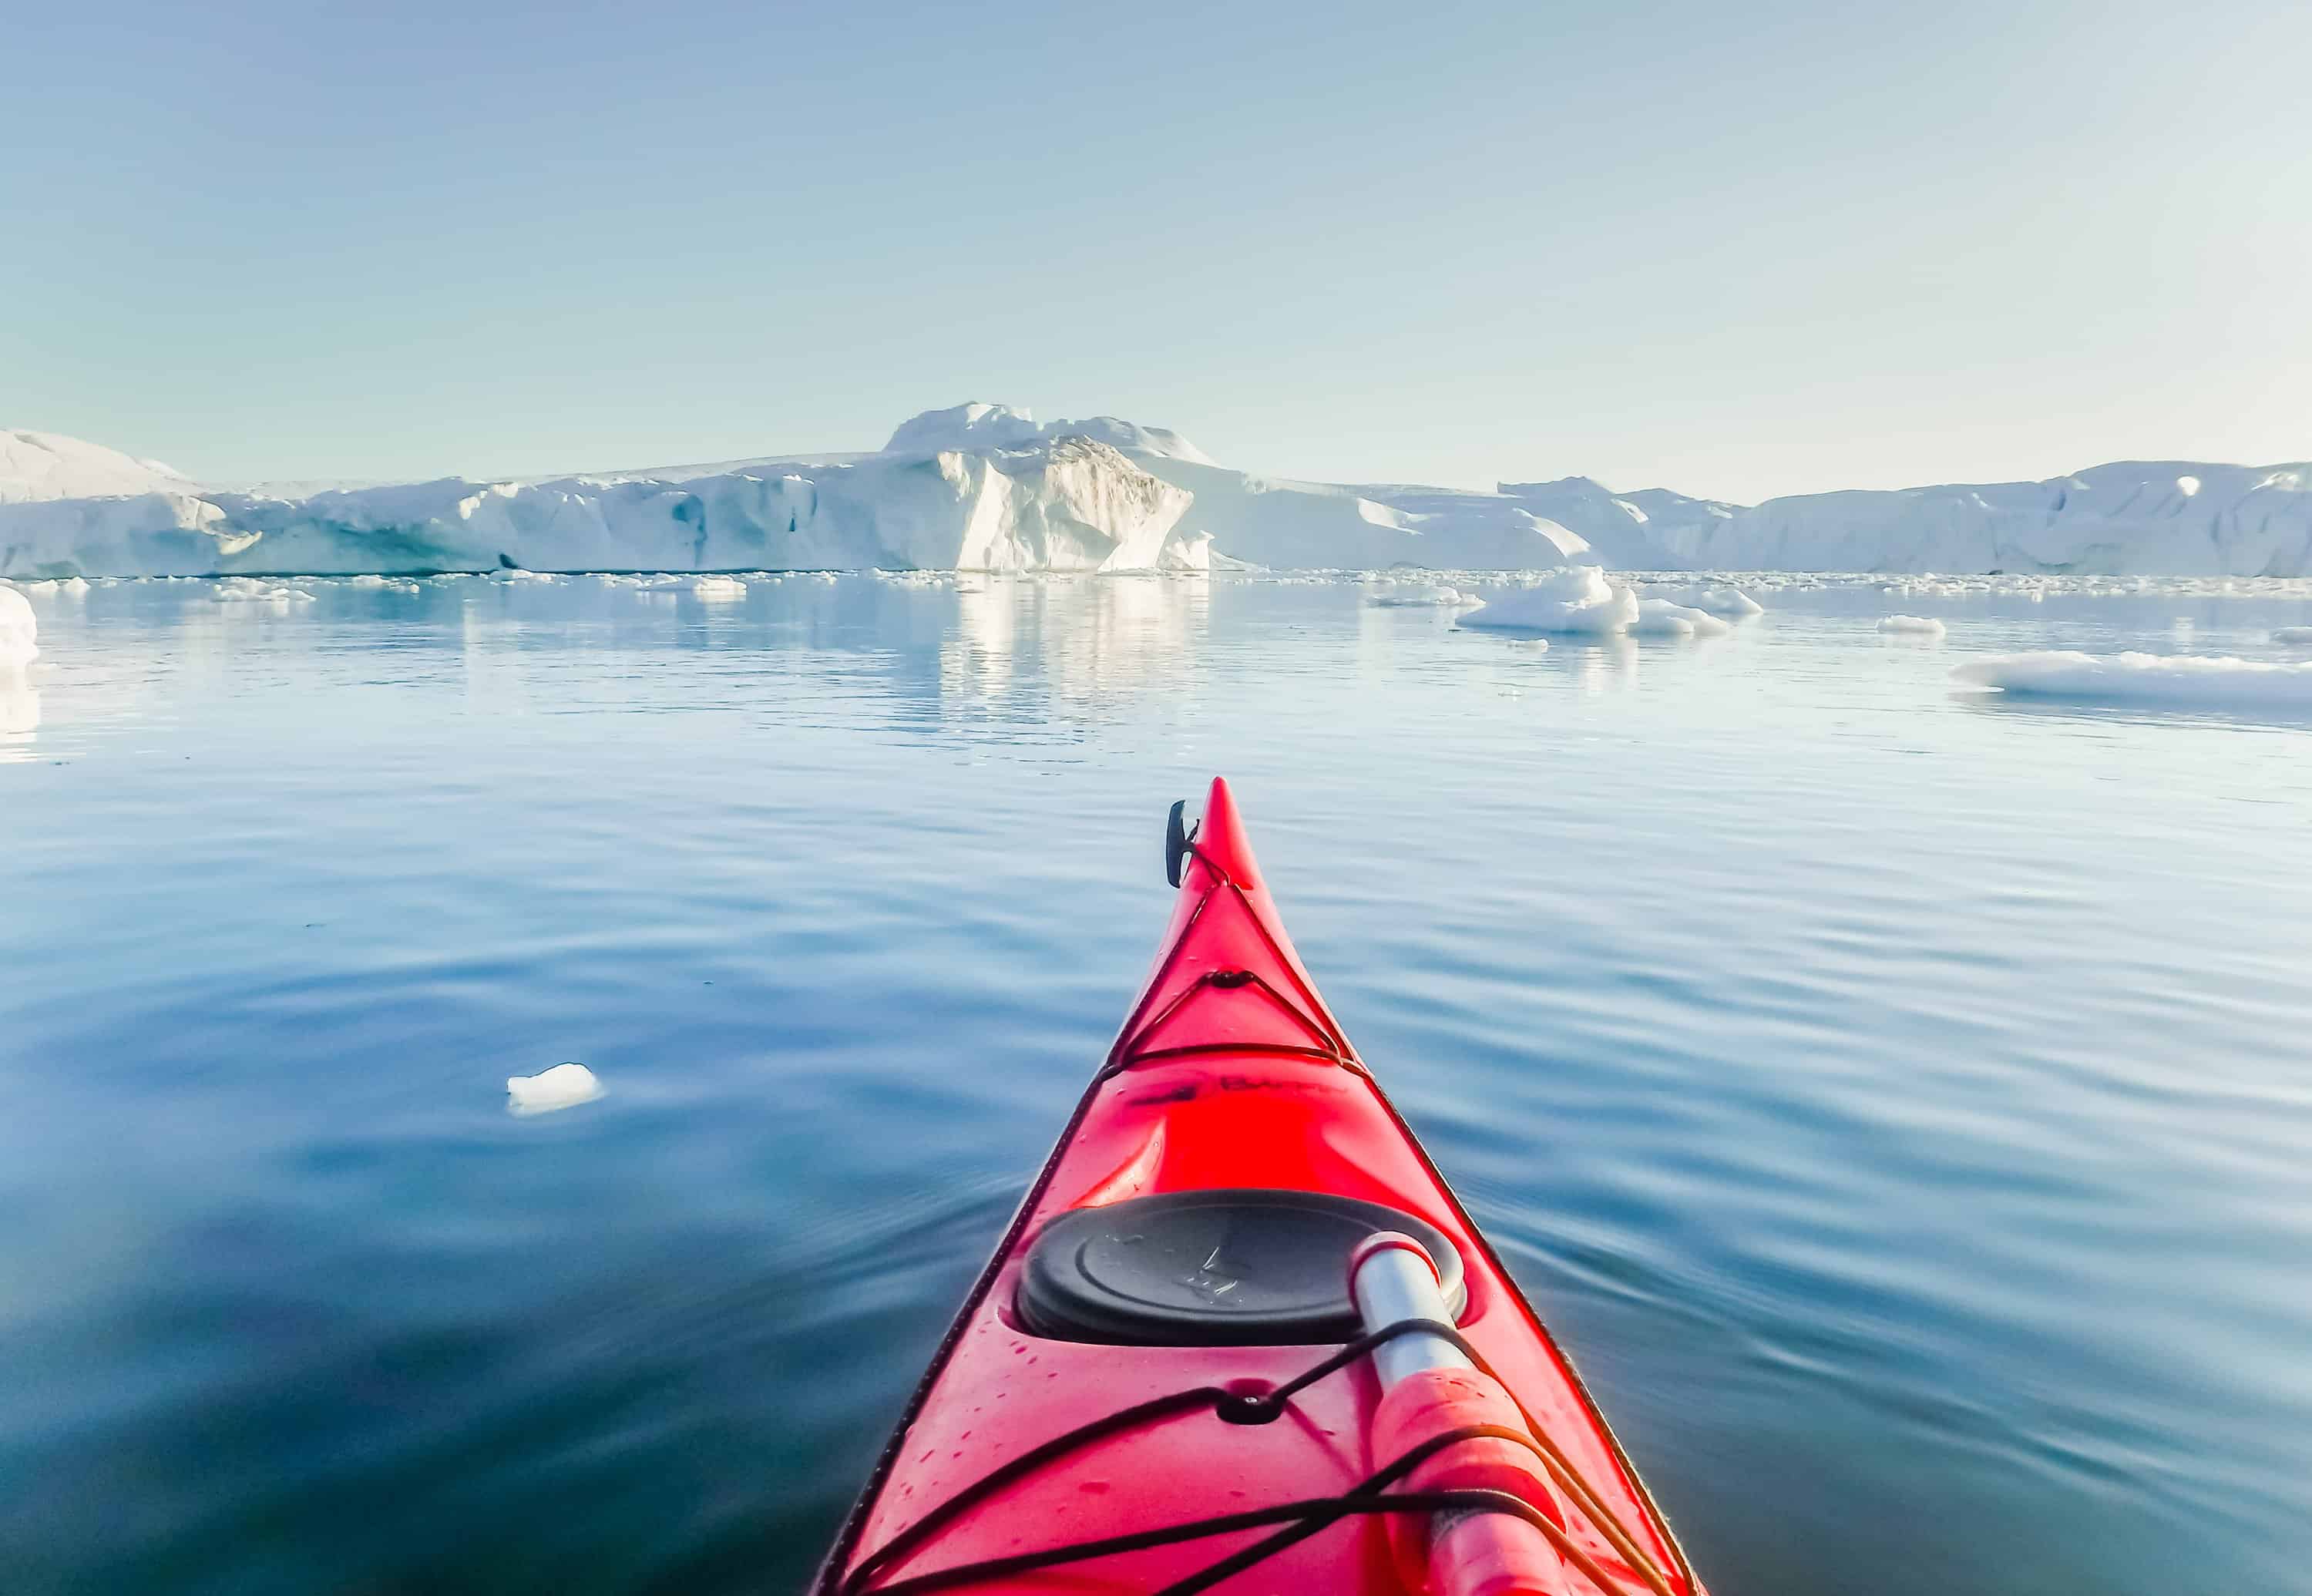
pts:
[986, 487]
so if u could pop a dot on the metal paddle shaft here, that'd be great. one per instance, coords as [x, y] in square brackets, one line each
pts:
[1470, 1554]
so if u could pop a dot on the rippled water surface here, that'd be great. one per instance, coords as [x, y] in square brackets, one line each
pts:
[1898, 1101]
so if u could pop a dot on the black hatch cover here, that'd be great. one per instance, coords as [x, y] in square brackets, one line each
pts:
[1227, 1267]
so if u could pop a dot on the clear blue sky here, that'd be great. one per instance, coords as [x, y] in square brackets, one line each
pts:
[1731, 249]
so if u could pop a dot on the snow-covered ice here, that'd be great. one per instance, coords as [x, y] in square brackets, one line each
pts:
[564, 1086]
[2198, 680]
[19, 630]
[1661, 618]
[1580, 601]
[1915, 625]
[985, 486]
[1731, 602]
[42, 466]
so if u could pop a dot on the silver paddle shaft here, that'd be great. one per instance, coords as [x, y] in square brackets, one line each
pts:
[1468, 1551]
[1397, 1283]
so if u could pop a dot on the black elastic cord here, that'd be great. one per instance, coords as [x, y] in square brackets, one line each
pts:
[1300, 1519]
[1326, 1510]
[907, 1540]
[1156, 1408]
[1251, 1407]
[1372, 1484]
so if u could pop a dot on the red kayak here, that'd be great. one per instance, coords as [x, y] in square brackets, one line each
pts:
[1240, 1336]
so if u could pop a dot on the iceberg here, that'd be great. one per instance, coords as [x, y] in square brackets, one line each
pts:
[20, 631]
[2201, 681]
[1915, 625]
[2151, 518]
[1417, 595]
[985, 487]
[1579, 601]
[35, 467]
[1660, 618]
[1069, 504]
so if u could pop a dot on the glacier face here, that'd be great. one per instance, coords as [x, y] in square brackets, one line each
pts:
[983, 487]
[1069, 504]
[2130, 518]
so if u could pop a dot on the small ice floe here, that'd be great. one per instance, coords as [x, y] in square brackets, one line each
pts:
[1911, 625]
[1729, 602]
[2201, 680]
[248, 589]
[65, 587]
[1579, 601]
[1659, 617]
[1414, 595]
[19, 630]
[719, 589]
[2293, 636]
[564, 1086]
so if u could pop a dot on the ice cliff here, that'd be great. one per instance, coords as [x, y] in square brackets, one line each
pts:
[2138, 518]
[1068, 502]
[983, 487]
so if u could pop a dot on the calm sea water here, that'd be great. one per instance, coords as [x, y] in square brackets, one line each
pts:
[1898, 1101]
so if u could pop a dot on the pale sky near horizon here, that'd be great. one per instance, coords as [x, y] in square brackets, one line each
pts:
[1734, 252]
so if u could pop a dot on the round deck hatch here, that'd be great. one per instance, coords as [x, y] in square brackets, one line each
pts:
[1222, 1268]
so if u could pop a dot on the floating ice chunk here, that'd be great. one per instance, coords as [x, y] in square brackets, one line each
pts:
[19, 630]
[719, 589]
[1915, 626]
[2293, 636]
[1729, 601]
[1659, 617]
[2199, 679]
[1578, 599]
[1407, 595]
[564, 1086]
[245, 589]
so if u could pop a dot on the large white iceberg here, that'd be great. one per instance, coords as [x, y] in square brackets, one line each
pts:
[983, 487]
[2158, 518]
[1068, 504]
[40, 466]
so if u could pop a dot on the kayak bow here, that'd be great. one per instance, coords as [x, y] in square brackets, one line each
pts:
[1241, 1335]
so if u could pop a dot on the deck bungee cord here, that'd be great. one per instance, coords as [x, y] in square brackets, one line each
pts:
[1303, 1518]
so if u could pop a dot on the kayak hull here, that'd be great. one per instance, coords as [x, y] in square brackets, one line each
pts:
[1230, 1072]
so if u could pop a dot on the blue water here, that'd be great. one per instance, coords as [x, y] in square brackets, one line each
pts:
[1898, 1101]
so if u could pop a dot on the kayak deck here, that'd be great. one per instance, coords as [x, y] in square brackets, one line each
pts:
[1230, 1074]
